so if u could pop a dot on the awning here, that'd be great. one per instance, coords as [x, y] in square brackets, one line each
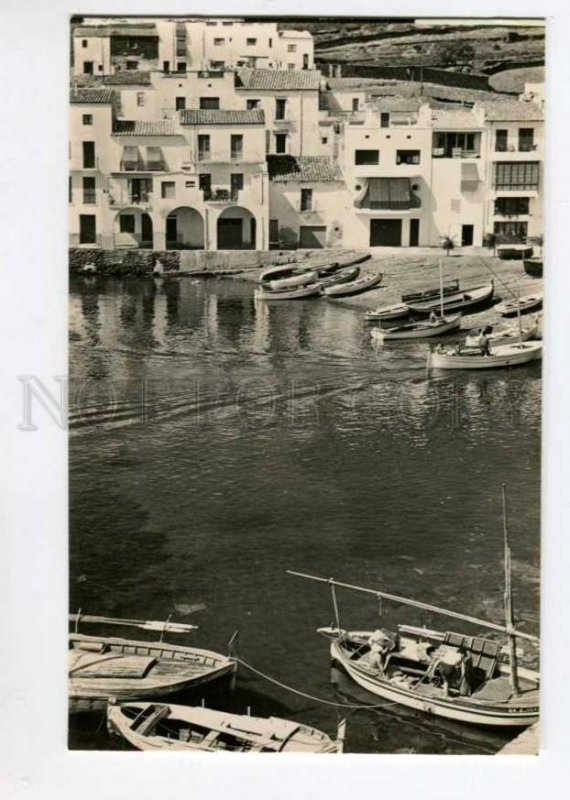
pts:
[390, 193]
[469, 177]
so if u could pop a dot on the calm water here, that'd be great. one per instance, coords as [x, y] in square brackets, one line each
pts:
[217, 442]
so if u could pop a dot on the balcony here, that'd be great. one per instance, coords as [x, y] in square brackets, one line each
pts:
[118, 200]
[454, 152]
[140, 165]
[222, 157]
[89, 198]
[223, 197]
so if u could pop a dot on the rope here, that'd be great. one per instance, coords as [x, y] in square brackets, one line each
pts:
[310, 696]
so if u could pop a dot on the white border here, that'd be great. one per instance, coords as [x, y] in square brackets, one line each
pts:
[34, 761]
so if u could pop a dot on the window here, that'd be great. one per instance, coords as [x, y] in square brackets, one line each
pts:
[273, 231]
[251, 42]
[513, 175]
[166, 66]
[89, 191]
[132, 64]
[88, 155]
[219, 42]
[306, 199]
[88, 119]
[511, 206]
[251, 104]
[526, 140]
[366, 157]
[87, 229]
[280, 106]
[203, 147]
[408, 157]
[291, 48]
[217, 65]
[454, 143]
[227, 23]
[385, 119]
[88, 68]
[140, 98]
[270, 43]
[305, 61]
[205, 184]
[70, 189]
[211, 22]
[127, 223]
[236, 185]
[324, 139]
[355, 103]
[290, 66]
[236, 146]
[501, 140]
[180, 103]
[209, 102]
[167, 190]
[515, 232]
[84, 43]
[181, 66]
[280, 142]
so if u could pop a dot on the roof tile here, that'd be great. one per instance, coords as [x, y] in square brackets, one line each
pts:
[279, 80]
[161, 127]
[512, 110]
[96, 95]
[218, 116]
[303, 169]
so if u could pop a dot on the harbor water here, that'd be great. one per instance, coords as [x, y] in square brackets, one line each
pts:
[217, 441]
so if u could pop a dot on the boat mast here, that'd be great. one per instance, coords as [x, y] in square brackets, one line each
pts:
[441, 287]
[510, 624]
[519, 316]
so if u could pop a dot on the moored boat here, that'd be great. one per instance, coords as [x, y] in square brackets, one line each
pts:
[299, 293]
[396, 311]
[418, 330]
[154, 726]
[505, 355]
[428, 294]
[533, 267]
[528, 302]
[295, 280]
[454, 302]
[363, 284]
[468, 678]
[103, 667]
[503, 335]
[340, 276]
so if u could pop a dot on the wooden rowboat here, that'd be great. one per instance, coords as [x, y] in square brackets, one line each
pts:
[341, 276]
[527, 303]
[468, 678]
[153, 726]
[295, 280]
[533, 267]
[454, 302]
[504, 335]
[358, 286]
[418, 330]
[505, 355]
[429, 294]
[302, 292]
[102, 667]
[395, 311]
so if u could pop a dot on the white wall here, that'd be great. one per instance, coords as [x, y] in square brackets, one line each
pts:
[98, 51]
[331, 203]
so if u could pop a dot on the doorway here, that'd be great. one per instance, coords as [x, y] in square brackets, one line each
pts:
[385, 233]
[312, 236]
[466, 235]
[414, 232]
[171, 230]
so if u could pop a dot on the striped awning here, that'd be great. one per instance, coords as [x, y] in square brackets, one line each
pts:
[389, 193]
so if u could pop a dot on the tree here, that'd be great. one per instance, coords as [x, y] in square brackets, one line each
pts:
[455, 54]
[448, 243]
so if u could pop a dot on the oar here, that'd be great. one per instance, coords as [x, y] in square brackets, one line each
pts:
[163, 626]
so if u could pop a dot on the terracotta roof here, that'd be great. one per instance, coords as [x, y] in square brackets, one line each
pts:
[303, 169]
[218, 116]
[512, 111]
[98, 95]
[443, 119]
[279, 80]
[139, 127]
[127, 77]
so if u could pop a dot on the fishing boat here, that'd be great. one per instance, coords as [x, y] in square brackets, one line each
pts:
[103, 667]
[502, 335]
[468, 678]
[428, 294]
[504, 355]
[418, 330]
[521, 304]
[155, 726]
[295, 280]
[363, 284]
[300, 293]
[396, 311]
[455, 302]
[340, 276]
[533, 267]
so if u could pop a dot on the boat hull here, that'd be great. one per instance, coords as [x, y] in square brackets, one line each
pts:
[455, 709]
[313, 290]
[504, 337]
[525, 304]
[356, 287]
[461, 300]
[501, 356]
[388, 312]
[295, 280]
[340, 277]
[417, 331]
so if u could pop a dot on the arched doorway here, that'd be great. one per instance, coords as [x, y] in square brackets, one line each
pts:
[184, 229]
[237, 229]
[133, 228]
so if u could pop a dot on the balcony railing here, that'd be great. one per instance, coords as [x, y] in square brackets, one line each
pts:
[89, 198]
[143, 200]
[527, 147]
[224, 196]
[140, 165]
[220, 156]
[454, 152]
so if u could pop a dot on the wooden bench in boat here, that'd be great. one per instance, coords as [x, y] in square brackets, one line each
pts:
[147, 723]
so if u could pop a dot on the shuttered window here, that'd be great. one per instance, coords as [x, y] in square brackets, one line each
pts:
[516, 175]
